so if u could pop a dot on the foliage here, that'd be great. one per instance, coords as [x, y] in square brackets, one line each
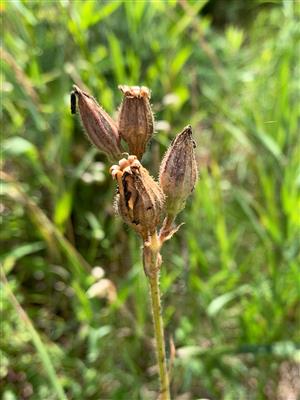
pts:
[231, 276]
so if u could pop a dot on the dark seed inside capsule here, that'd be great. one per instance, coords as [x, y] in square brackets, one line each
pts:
[73, 103]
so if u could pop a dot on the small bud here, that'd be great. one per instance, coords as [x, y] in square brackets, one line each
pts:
[178, 172]
[101, 129]
[140, 200]
[136, 125]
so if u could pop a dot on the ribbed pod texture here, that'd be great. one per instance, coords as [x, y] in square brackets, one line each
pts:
[100, 128]
[140, 200]
[178, 171]
[135, 121]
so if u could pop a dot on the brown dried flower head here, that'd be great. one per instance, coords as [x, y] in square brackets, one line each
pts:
[140, 200]
[136, 124]
[178, 171]
[101, 129]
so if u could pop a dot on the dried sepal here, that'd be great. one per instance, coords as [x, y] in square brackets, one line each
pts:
[140, 200]
[100, 128]
[168, 229]
[178, 172]
[135, 122]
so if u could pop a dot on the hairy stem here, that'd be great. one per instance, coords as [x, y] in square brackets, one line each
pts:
[152, 260]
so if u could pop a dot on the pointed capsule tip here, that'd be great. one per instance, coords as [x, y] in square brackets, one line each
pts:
[135, 91]
[76, 89]
[81, 93]
[188, 130]
[185, 134]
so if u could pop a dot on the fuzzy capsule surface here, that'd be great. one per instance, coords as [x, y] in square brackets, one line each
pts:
[135, 121]
[178, 172]
[100, 128]
[140, 200]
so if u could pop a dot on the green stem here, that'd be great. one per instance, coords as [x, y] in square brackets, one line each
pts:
[152, 261]
[159, 337]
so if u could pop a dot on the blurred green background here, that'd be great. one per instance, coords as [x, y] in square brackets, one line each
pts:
[76, 322]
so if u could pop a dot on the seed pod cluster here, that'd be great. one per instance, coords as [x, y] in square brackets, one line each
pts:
[178, 172]
[140, 200]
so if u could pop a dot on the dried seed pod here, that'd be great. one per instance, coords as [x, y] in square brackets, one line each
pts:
[140, 200]
[101, 129]
[136, 124]
[178, 172]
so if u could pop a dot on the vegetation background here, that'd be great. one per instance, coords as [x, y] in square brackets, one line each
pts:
[230, 279]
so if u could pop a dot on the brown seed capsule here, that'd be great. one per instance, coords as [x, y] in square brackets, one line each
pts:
[101, 129]
[178, 172]
[136, 125]
[140, 200]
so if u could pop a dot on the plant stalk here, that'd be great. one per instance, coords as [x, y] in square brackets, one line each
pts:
[152, 260]
[159, 337]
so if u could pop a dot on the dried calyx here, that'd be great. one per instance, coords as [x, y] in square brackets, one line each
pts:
[140, 200]
[101, 129]
[178, 172]
[135, 122]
